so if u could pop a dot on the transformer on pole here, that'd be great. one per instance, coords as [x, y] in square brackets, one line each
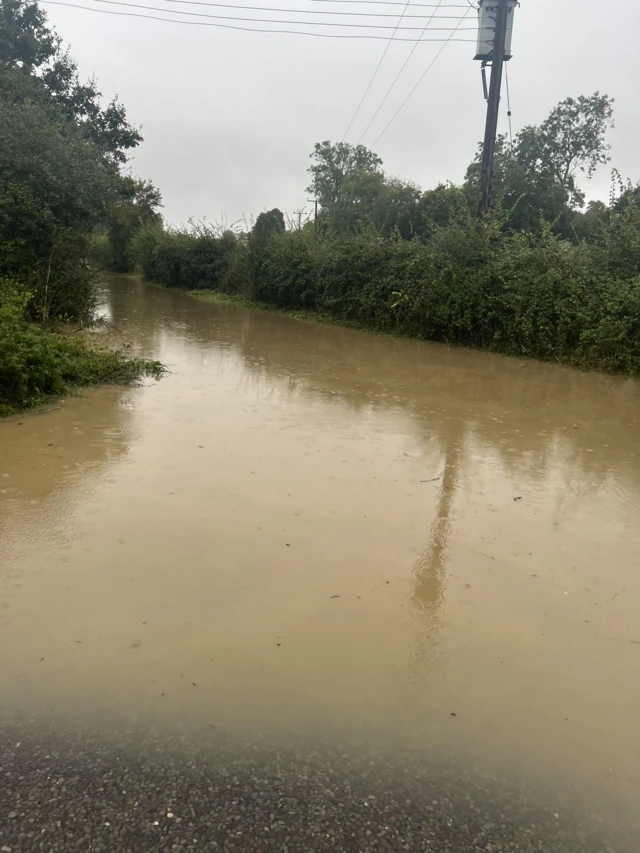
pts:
[495, 29]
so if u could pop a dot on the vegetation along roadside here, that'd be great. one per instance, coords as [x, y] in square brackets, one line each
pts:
[62, 156]
[544, 276]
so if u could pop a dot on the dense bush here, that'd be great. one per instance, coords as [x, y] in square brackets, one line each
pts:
[187, 258]
[36, 363]
[469, 284]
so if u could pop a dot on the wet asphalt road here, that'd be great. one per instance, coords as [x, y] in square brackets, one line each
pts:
[143, 793]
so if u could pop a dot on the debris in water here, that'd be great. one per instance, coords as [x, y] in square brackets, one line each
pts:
[136, 645]
[334, 596]
[433, 480]
[518, 498]
[453, 714]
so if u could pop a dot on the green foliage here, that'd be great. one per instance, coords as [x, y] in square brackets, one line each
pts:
[190, 258]
[53, 191]
[237, 278]
[369, 200]
[36, 363]
[333, 164]
[470, 284]
[25, 39]
[34, 67]
[137, 205]
[535, 179]
[267, 224]
[60, 151]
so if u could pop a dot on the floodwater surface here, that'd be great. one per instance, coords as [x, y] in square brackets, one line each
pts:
[304, 529]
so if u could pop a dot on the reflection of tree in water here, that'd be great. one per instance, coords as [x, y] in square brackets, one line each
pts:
[537, 421]
[530, 415]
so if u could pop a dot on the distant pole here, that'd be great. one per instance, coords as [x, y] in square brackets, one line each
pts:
[493, 107]
[315, 202]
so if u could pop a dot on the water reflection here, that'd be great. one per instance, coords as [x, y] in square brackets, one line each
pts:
[51, 460]
[532, 415]
[430, 572]
[262, 538]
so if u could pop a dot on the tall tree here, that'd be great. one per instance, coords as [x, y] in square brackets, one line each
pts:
[335, 163]
[536, 178]
[47, 74]
[572, 140]
[60, 158]
[267, 224]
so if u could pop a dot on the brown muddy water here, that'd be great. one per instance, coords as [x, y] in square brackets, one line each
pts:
[305, 529]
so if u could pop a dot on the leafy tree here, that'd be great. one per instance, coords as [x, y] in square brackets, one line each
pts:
[25, 39]
[571, 140]
[54, 189]
[60, 153]
[267, 224]
[138, 205]
[334, 164]
[442, 207]
[535, 179]
[371, 200]
[49, 75]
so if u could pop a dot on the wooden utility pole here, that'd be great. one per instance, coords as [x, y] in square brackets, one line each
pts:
[314, 201]
[493, 107]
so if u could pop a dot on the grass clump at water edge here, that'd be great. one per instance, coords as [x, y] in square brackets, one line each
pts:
[37, 362]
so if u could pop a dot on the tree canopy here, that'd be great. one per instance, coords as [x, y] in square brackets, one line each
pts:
[61, 154]
[333, 164]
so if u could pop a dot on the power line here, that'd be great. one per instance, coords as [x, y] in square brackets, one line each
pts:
[233, 27]
[309, 11]
[423, 75]
[375, 73]
[391, 87]
[130, 5]
[395, 3]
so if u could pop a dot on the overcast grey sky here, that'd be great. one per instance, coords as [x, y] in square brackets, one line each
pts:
[229, 118]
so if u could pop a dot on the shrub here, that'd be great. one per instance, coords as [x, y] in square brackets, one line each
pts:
[36, 363]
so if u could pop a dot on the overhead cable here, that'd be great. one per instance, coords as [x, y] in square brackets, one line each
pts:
[423, 75]
[375, 72]
[397, 3]
[397, 77]
[234, 27]
[129, 5]
[309, 11]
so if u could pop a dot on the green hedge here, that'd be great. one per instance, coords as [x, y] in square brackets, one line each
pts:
[522, 294]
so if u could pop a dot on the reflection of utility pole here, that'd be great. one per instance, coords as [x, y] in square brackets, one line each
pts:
[429, 569]
[496, 19]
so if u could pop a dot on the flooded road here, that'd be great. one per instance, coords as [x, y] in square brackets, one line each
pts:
[321, 533]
